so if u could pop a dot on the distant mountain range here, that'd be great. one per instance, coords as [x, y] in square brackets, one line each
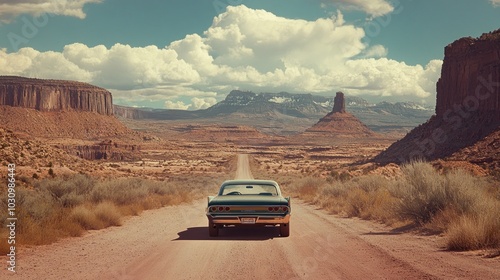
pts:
[286, 113]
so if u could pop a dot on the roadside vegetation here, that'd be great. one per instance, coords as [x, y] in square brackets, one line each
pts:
[463, 208]
[66, 206]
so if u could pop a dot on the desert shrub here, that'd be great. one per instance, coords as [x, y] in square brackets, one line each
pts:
[476, 230]
[308, 188]
[358, 201]
[69, 191]
[108, 213]
[422, 192]
[344, 176]
[370, 198]
[120, 191]
[37, 206]
[335, 189]
[463, 206]
[478, 226]
[466, 192]
[86, 218]
[161, 188]
[370, 183]
[366, 196]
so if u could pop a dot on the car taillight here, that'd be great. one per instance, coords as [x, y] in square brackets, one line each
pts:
[221, 208]
[227, 209]
[213, 209]
[276, 209]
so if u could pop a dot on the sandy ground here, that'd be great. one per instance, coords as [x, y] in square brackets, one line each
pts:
[173, 243]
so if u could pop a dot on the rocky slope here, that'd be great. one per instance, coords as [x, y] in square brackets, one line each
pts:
[71, 124]
[35, 158]
[54, 95]
[75, 117]
[467, 107]
[339, 123]
[106, 150]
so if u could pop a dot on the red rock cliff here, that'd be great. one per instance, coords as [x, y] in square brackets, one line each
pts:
[467, 107]
[470, 77]
[54, 95]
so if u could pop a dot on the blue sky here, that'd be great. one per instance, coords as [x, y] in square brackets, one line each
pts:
[189, 54]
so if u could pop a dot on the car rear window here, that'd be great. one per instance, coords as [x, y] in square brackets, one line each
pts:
[251, 189]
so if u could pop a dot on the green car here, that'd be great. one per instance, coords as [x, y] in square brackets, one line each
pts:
[248, 202]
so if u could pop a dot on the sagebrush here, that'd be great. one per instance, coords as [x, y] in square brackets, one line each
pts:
[65, 206]
[464, 207]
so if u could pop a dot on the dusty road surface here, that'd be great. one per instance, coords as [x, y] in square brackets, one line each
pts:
[243, 170]
[173, 243]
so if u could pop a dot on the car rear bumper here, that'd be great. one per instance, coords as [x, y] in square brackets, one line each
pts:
[243, 219]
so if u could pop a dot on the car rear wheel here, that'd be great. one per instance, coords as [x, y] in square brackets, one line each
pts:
[213, 229]
[285, 229]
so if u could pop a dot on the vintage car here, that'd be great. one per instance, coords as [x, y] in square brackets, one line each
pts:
[249, 203]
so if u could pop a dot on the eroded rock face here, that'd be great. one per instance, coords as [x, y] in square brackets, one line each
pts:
[470, 76]
[339, 103]
[467, 106]
[128, 112]
[54, 95]
[105, 150]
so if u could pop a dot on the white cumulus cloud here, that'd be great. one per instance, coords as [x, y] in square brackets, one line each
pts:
[376, 51]
[179, 105]
[496, 3]
[374, 8]
[202, 103]
[245, 49]
[9, 9]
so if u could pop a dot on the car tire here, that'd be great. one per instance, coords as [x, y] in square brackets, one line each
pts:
[285, 229]
[213, 230]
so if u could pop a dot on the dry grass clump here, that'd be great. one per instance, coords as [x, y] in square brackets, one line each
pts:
[103, 215]
[464, 207]
[86, 218]
[477, 228]
[471, 232]
[308, 188]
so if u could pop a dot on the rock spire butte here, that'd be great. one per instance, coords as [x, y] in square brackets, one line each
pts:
[339, 123]
[339, 103]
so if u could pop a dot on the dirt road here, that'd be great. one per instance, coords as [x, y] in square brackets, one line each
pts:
[173, 243]
[243, 170]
